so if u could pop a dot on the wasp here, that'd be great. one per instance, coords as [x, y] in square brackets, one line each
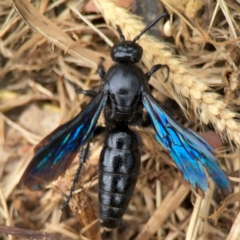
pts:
[123, 95]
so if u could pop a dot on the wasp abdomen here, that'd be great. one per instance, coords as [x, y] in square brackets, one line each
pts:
[118, 173]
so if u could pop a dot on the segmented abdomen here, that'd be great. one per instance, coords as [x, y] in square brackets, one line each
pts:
[118, 172]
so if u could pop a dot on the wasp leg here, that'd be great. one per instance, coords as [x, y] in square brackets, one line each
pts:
[146, 122]
[89, 93]
[83, 158]
[101, 70]
[98, 131]
[156, 68]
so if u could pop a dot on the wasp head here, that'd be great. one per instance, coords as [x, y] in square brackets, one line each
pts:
[130, 51]
[127, 51]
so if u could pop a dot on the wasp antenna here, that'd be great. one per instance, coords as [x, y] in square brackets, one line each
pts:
[149, 26]
[122, 38]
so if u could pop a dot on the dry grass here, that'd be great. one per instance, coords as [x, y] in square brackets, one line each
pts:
[41, 46]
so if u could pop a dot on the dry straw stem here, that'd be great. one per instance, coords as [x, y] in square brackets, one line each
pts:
[235, 231]
[183, 85]
[49, 30]
[22, 233]
[170, 203]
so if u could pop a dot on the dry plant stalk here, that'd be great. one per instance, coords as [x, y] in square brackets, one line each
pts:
[49, 30]
[208, 105]
[170, 203]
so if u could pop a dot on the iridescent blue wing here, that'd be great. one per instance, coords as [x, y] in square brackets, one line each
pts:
[189, 151]
[56, 151]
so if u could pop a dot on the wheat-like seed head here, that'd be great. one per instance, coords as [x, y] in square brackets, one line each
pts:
[183, 85]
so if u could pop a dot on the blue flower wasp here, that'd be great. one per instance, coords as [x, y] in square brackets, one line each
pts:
[123, 94]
